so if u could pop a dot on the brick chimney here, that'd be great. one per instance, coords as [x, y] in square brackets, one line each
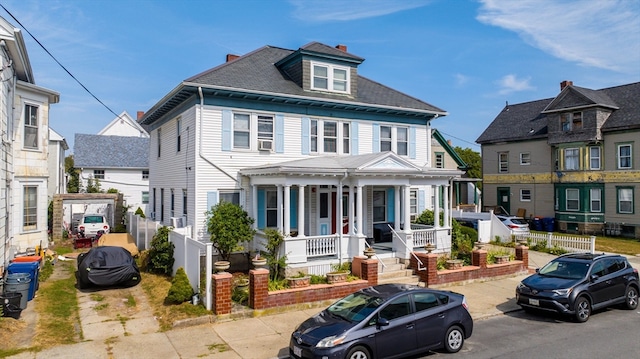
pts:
[342, 48]
[231, 57]
[140, 115]
[565, 83]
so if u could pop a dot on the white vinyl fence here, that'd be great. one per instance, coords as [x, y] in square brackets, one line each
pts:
[568, 243]
[187, 252]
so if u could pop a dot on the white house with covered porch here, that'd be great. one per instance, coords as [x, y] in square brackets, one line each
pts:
[306, 145]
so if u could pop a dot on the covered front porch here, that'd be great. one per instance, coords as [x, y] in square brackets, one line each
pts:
[327, 206]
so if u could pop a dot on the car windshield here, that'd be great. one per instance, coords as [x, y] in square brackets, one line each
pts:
[565, 269]
[355, 307]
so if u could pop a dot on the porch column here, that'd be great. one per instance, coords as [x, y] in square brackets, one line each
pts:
[396, 207]
[446, 205]
[436, 206]
[254, 205]
[359, 211]
[407, 209]
[352, 212]
[301, 189]
[279, 211]
[287, 210]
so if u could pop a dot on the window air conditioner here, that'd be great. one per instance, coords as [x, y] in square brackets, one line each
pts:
[265, 145]
[178, 222]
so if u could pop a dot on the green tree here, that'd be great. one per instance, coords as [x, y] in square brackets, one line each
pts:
[160, 259]
[180, 290]
[73, 177]
[93, 185]
[275, 260]
[229, 225]
[473, 160]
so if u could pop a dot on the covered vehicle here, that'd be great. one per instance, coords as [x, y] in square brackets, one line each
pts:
[107, 266]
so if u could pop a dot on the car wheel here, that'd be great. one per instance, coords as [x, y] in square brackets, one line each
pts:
[583, 310]
[358, 352]
[631, 298]
[454, 339]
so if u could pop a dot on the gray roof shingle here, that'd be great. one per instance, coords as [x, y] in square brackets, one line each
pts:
[96, 151]
[528, 120]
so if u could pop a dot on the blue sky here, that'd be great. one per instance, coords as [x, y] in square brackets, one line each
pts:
[468, 57]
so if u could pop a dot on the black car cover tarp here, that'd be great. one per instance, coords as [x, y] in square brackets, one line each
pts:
[107, 266]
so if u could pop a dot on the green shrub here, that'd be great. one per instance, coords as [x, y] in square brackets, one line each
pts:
[140, 212]
[276, 262]
[317, 279]
[119, 228]
[229, 225]
[470, 232]
[180, 290]
[161, 253]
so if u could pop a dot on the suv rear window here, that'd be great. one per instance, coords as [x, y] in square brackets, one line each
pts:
[93, 219]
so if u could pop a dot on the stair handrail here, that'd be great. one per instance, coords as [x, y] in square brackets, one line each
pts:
[421, 265]
[366, 244]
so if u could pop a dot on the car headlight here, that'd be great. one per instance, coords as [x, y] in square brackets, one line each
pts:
[330, 342]
[562, 292]
[521, 286]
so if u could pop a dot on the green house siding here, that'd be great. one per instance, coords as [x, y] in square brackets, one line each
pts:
[584, 213]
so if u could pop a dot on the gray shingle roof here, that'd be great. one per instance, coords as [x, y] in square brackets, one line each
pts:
[257, 72]
[528, 120]
[95, 151]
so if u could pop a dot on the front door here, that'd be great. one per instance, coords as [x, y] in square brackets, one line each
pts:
[324, 212]
[504, 198]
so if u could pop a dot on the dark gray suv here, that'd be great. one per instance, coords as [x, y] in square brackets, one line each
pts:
[578, 283]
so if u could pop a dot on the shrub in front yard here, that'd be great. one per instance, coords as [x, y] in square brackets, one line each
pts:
[161, 254]
[180, 290]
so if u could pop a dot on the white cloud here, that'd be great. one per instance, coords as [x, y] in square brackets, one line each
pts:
[461, 79]
[594, 33]
[340, 10]
[510, 83]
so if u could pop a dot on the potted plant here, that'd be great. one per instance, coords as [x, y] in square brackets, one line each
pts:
[339, 273]
[259, 261]
[300, 280]
[369, 252]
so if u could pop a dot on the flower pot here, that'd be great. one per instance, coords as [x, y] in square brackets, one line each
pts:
[369, 252]
[429, 247]
[259, 263]
[454, 264]
[299, 282]
[502, 259]
[480, 245]
[337, 277]
[221, 266]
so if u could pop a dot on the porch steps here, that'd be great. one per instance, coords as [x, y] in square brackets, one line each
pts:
[394, 271]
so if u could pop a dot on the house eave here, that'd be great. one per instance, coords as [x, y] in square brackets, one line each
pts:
[188, 89]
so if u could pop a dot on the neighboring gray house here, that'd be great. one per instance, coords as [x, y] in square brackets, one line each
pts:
[57, 177]
[307, 146]
[574, 158]
[116, 162]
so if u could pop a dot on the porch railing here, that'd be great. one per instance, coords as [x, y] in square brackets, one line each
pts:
[319, 246]
[422, 235]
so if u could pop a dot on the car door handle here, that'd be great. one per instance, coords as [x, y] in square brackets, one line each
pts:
[441, 315]
[410, 325]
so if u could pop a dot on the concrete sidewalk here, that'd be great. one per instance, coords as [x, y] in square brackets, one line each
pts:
[260, 338]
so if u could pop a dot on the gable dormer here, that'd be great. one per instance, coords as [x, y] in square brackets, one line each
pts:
[316, 67]
[577, 114]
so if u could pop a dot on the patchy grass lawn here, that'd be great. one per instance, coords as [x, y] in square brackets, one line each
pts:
[618, 245]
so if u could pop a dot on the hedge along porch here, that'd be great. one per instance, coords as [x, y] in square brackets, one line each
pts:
[479, 268]
[261, 299]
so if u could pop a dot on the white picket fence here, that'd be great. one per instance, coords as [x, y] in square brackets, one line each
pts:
[568, 243]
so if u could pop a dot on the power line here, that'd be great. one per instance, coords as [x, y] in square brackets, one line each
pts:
[459, 139]
[58, 62]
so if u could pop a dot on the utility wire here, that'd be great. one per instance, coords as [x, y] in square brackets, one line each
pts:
[58, 62]
[460, 139]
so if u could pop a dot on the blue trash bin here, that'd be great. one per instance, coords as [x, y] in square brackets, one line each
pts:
[549, 224]
[537, 224]
[30, 268]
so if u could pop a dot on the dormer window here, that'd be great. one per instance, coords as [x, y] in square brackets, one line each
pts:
[571, 121]
[330, 78]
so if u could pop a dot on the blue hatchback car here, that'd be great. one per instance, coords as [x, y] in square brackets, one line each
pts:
[385, 321]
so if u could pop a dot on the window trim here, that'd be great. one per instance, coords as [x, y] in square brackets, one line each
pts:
[503, 164]
[35, 127]
[235, 144]
[178, 133]
[577, 158]
[98, 174]
[577, 200]
[184, 201]
[439, 158]
[619, 157]
[384, 206]
[398, 141]
[523, 196]
[593, 200]
[620, 188]
[29, 210]
[144, 197]
[592, 158]
[331, 78]
[145, 175]
[525, 161]
[386, 139]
